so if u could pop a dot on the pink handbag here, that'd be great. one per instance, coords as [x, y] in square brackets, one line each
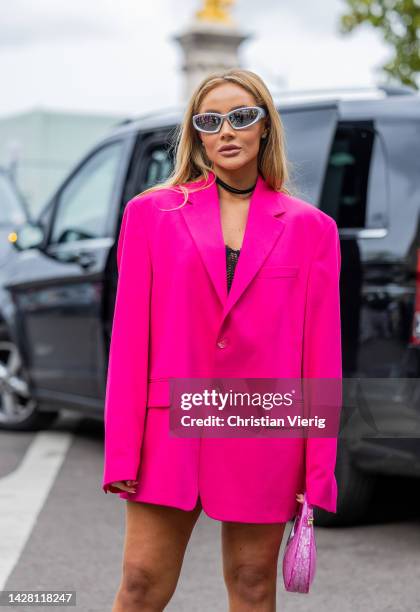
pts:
[299, 560]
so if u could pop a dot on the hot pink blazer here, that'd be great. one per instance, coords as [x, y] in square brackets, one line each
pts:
[174, 317]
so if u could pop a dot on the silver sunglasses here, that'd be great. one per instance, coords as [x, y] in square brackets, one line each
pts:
[239, 119]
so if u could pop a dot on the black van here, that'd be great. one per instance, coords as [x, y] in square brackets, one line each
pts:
[355, 156]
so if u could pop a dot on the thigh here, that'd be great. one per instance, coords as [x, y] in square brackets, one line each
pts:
[253, 545]
[156, 538]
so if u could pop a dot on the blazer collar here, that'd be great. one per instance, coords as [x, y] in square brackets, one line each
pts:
[264, 228]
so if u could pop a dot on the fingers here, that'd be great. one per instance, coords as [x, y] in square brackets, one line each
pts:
[129, 486]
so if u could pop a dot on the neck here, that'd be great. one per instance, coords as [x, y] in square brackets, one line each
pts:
[244, 180]
[231, 191]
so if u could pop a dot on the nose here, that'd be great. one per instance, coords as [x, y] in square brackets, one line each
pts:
[226, 127]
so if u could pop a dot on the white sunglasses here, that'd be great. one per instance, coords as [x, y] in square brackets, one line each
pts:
[239, 119]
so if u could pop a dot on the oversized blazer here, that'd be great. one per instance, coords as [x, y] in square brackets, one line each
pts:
[175, 318]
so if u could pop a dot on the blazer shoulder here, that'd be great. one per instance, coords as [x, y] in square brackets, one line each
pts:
[318, 220]
[158, 200]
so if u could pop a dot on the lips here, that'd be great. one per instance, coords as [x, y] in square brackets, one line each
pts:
[229, 148]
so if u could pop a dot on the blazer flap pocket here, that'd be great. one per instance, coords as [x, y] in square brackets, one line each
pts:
[158, 393]
[278, 271]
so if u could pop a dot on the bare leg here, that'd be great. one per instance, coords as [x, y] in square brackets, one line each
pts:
[250, 557]
[156, 538]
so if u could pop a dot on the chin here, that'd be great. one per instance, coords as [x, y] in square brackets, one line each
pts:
[231, 164]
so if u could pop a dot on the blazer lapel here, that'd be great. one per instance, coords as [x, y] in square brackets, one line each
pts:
[263, 229]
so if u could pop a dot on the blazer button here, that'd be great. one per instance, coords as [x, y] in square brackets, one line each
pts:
[222, 343]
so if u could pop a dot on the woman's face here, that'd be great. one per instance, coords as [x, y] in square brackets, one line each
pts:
[223, 99]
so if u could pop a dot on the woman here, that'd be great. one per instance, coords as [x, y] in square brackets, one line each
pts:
[222, 273]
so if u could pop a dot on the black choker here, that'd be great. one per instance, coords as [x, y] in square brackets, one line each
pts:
[233, 189]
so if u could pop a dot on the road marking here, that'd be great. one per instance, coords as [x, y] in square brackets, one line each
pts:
[24, 492]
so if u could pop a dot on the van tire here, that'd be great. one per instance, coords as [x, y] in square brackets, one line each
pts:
[19, 410]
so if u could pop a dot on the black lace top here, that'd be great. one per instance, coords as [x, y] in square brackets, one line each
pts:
[231, 261]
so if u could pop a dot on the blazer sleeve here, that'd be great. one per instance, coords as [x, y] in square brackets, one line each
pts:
[322, 359]
[126, 386]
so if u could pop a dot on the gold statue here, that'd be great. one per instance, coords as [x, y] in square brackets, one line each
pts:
[215, 10]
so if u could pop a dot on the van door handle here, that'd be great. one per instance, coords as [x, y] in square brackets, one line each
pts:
[86, 259]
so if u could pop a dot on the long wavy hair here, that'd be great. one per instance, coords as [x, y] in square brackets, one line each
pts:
[191, 161]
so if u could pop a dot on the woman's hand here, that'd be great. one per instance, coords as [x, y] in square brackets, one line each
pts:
[299, 497]
[126, 485]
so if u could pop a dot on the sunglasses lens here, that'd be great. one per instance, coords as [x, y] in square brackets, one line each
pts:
[243, 117]
[207, 122]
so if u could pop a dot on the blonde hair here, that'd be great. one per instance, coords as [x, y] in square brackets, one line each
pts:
[191, 162]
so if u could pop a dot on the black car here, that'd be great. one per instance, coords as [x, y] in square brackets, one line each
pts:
[355, 157]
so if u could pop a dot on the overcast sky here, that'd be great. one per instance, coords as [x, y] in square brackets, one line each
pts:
[117, 56]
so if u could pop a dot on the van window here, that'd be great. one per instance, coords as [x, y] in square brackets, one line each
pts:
[83, 205]
[354, 191]
[308, 133]
[158, 167]
[151, 163]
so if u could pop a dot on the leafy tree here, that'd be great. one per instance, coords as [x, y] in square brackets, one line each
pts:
[399, 23]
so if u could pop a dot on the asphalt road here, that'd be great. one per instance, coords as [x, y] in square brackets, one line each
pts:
[59, 531]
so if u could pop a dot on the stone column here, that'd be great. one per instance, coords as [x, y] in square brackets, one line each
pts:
[210, 43]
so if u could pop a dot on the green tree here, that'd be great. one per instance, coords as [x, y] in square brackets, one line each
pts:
[399, 23]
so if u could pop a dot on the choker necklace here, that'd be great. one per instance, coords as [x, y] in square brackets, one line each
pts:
[233, 189]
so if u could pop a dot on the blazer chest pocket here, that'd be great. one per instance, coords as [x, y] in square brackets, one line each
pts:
[277, 271]
[158, 393]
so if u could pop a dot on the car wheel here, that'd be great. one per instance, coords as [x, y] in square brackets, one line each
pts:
[355, 492]
[18, 409]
